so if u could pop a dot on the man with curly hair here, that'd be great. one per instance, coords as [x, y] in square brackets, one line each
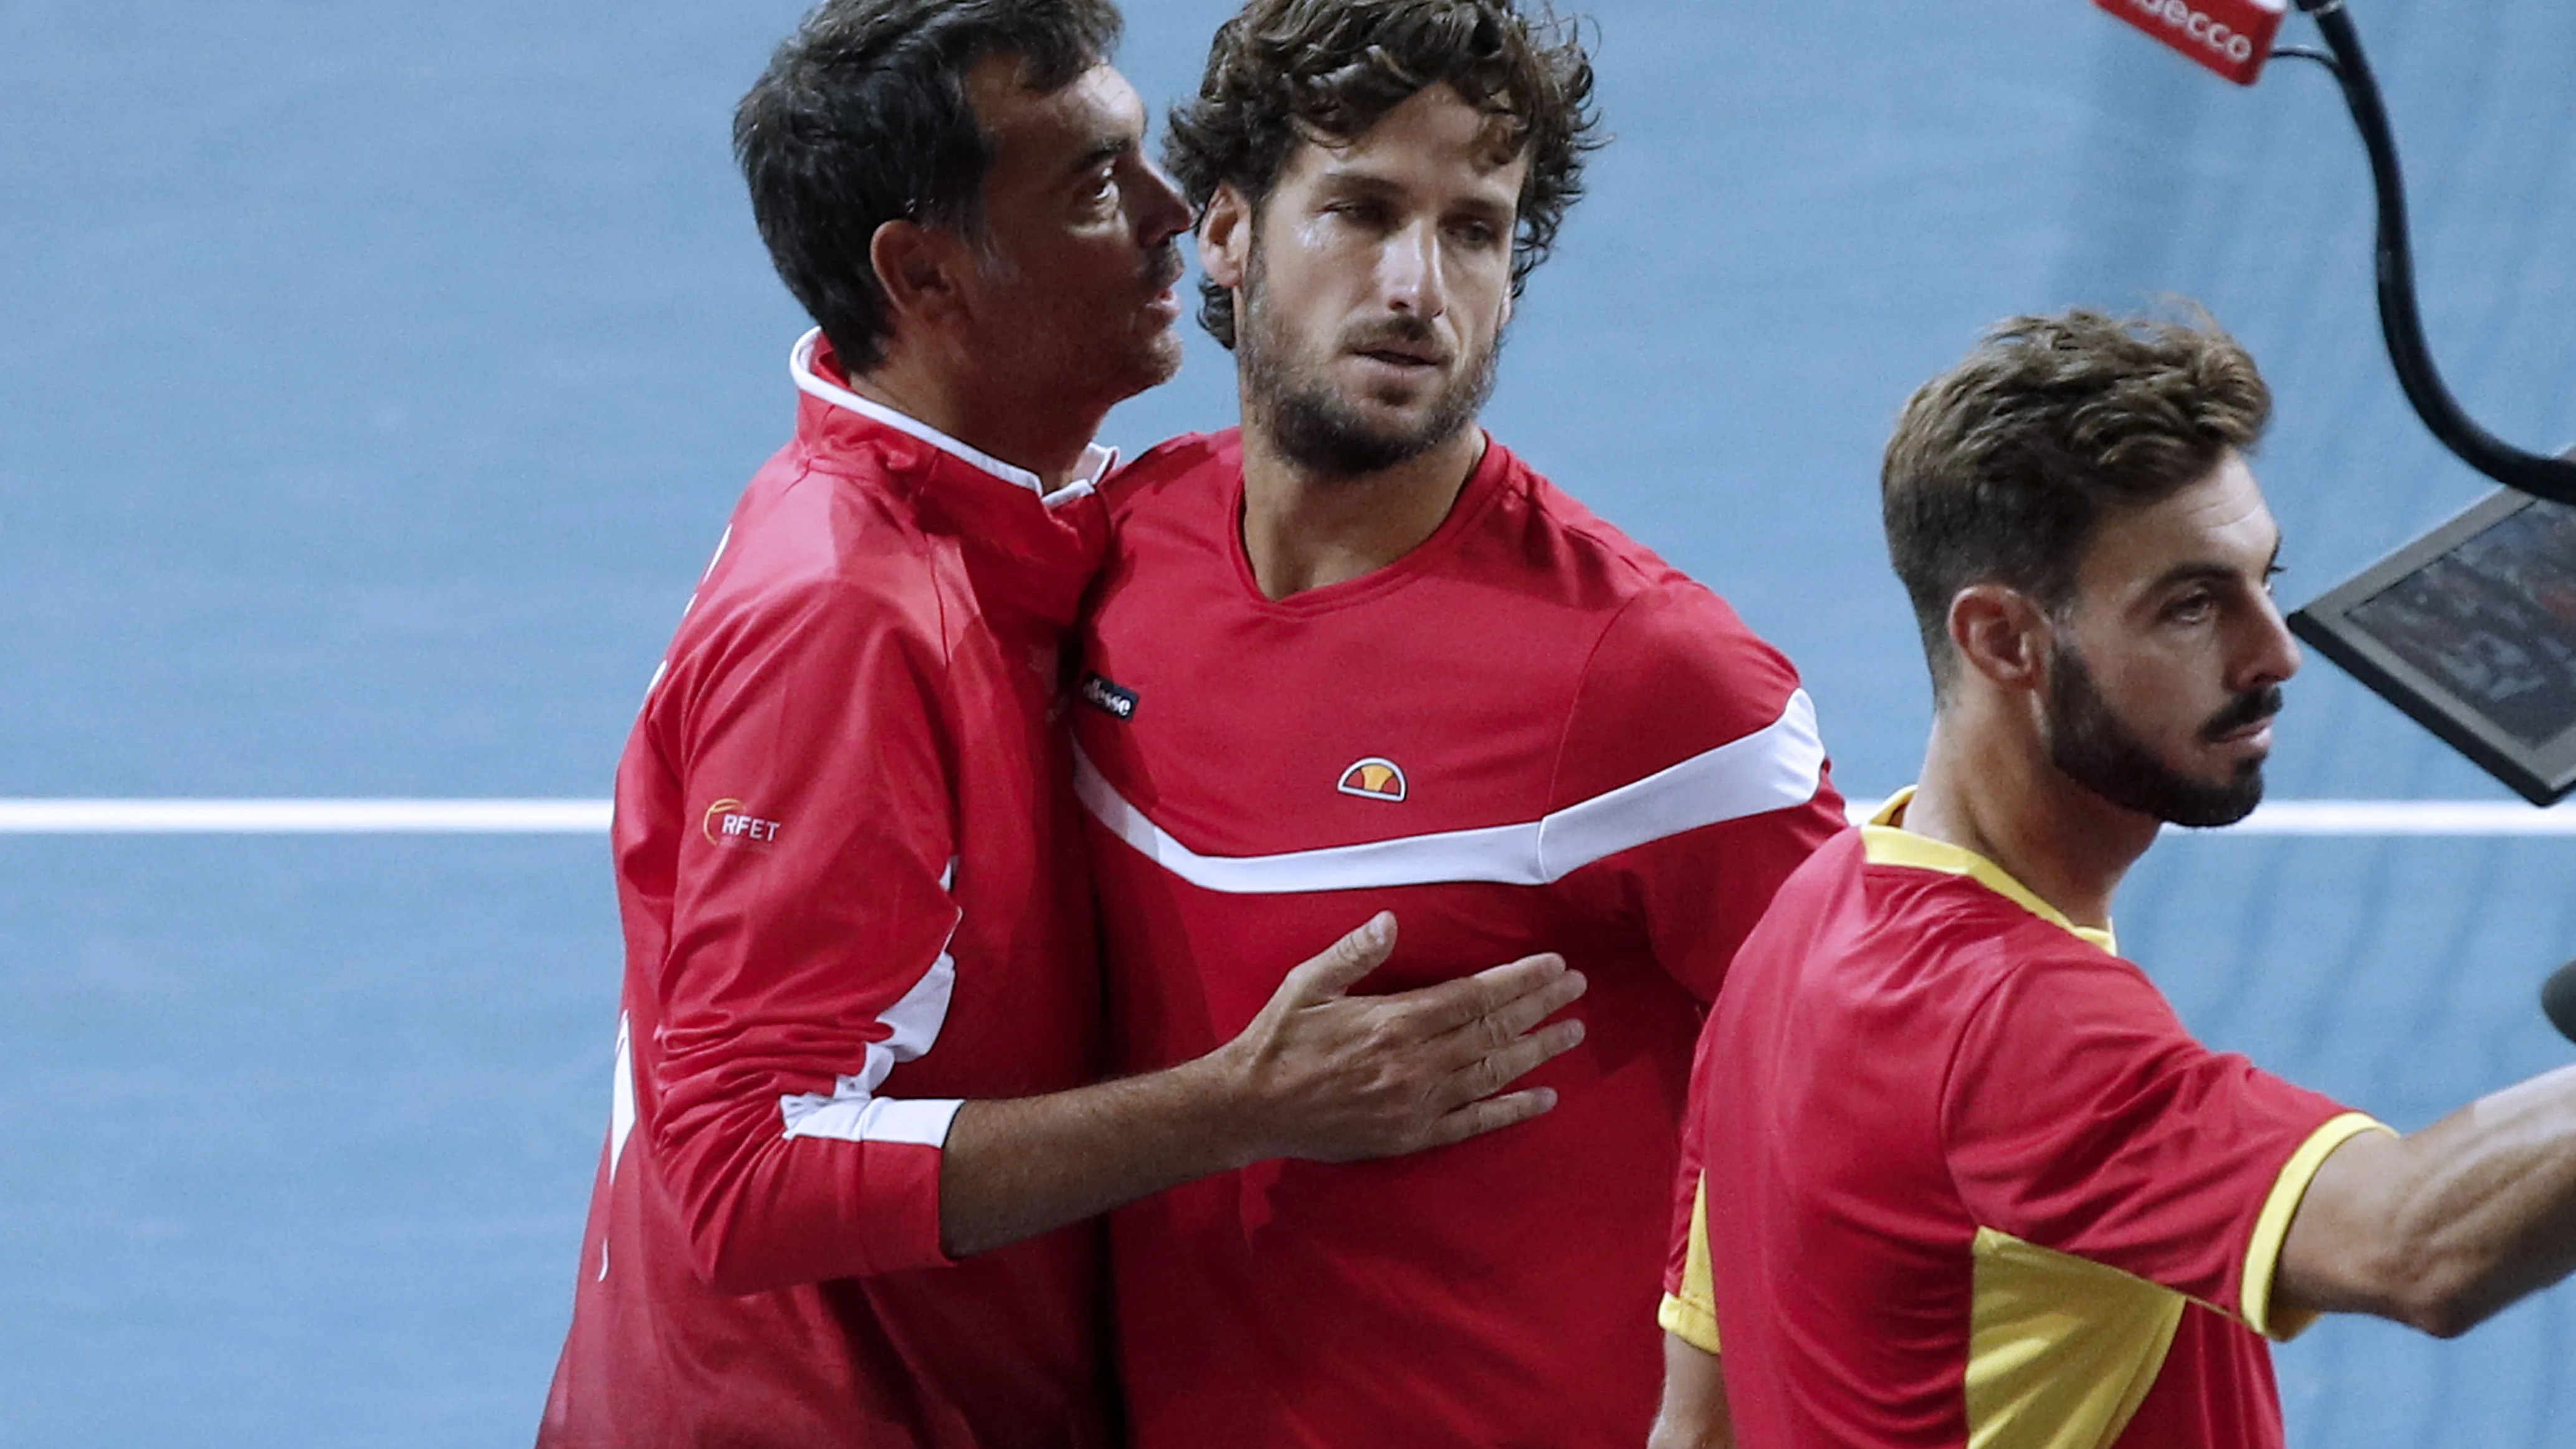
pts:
[855, 1135]
[1356, 654]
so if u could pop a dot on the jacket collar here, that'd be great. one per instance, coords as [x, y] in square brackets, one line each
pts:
[818, 376]
[1022, 544]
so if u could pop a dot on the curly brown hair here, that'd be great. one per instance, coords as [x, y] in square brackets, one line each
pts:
[2002, 468]
[1284, 72]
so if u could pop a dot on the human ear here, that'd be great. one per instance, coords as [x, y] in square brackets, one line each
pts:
[1225, 238]
[2000, 635]
[918, 269]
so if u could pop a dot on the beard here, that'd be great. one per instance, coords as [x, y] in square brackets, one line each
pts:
[2091, 745]
[1310, 422]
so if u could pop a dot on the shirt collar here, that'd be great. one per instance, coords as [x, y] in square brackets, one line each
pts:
[1096, 459]
[1886, 841]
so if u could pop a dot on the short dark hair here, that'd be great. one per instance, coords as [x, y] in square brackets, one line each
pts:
[863, 118]
[2003, 467]
[1283, 72]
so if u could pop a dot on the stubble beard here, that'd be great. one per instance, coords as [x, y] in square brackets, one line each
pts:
[2091, 745]
[1305, 417]
[1061, 358]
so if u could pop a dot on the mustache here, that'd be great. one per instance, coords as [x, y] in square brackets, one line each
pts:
[1404, 329]
[1163, 268]
[2247, 709]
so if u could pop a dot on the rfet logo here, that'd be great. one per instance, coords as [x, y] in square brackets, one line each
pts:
[1374, 779]
[727, 823]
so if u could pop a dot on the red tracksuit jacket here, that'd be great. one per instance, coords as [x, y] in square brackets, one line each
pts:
[852, 896]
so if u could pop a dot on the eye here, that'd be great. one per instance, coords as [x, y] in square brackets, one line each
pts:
[1361, 211]
[2191, 608]
[1478, 235]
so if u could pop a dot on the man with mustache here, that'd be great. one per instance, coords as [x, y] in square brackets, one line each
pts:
[1358, 655]
[1963, 1176]
[854, 1110]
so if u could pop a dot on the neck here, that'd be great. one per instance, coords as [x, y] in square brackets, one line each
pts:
[1993, 791]
[1304, 530]
[1046, 436]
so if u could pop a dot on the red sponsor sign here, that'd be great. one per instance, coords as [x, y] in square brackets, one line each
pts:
[2231, 37]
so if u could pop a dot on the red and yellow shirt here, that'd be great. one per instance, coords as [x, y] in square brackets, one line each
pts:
[1963, 1178]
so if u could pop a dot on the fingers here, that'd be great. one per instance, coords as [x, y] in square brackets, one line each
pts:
[1489, 1115]
[1518, 1014]
[1342, 964]
[1507, 1063]
[1452, 1004]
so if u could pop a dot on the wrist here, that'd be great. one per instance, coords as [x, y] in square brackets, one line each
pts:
[1222, 1104]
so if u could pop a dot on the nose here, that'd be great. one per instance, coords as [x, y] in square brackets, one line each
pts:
[2271, 653]
[1160, 212]
[1409, 272]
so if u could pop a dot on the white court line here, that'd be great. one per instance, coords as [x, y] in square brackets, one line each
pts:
[590, 817]
[303, 817]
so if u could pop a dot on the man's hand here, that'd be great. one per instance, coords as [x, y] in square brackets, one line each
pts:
[1319, 1074]
[1330, 1077]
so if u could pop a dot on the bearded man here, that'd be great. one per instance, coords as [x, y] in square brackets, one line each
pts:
[1967, 1179]
[1359, 655]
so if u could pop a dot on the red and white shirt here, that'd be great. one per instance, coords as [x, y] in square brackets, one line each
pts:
[853, 897]
[1527, 734]
[1968, 1181]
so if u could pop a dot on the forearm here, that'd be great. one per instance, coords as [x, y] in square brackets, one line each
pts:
[1023, 1166]
[2446, 1227]
[2493, 1214]
[1693, 1414]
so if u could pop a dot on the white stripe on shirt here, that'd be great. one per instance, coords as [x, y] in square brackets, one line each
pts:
[1773, 768]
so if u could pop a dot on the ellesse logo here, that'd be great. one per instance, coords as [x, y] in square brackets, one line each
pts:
[1374, 779]
[727, 823]
[1114, 700]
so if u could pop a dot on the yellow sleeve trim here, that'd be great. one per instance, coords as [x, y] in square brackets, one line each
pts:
[2272, 1228]
[1690, 1313]
[1692, 1323]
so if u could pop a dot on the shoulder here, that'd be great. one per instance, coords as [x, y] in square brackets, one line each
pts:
[824, 553]
[1673, 673]
[1669, 672]
[1657, 624]
[1176, 467]
[1677, 632]
[2037, 1001]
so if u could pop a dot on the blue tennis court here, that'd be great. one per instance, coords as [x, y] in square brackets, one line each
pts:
[374, 381]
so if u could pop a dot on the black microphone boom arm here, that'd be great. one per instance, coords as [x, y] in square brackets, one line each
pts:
[2399, 317]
